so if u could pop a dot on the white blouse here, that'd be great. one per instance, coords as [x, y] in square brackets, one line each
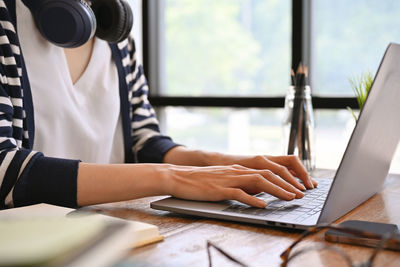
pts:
[84, 127]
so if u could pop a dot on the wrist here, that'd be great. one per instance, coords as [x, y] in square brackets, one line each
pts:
[216, 158]
[163, 179]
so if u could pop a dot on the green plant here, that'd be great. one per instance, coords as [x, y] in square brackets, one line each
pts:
[361, 85]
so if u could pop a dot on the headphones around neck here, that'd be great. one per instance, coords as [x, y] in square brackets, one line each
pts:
[71, 23]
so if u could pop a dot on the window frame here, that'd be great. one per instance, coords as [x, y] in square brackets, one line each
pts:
[301, 47]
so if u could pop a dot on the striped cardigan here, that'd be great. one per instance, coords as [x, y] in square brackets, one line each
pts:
[29, 177]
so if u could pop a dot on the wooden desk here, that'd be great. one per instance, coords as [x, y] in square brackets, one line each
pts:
[185, 236]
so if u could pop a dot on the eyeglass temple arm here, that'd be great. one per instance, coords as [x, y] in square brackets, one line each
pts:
[388, 238]
[210, 244]
[285, 254]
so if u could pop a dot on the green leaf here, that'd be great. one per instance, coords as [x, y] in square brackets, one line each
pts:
[361, 86]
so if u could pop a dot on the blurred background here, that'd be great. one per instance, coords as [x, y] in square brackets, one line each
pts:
[235, 57]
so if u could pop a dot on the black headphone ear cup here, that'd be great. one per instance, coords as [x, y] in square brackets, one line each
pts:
[65, 23]
[127, 28]
[114, 19]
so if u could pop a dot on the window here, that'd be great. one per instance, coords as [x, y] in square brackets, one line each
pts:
[350, 37]
[219, 70]
[233, 130]
[256, 131]
[226, 47]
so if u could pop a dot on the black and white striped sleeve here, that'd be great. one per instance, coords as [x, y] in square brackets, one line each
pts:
[149, 145]
[26, 177]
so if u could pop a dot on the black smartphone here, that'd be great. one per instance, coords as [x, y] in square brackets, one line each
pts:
[377, 228]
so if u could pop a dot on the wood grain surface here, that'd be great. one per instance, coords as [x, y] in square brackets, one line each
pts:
[255, 245]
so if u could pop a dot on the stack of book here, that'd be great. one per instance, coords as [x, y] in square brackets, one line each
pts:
[47, 235]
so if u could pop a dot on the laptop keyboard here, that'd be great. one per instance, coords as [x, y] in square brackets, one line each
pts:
[296, 210]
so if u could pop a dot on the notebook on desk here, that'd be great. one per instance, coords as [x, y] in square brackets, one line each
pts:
[361, 173]
[48, 235]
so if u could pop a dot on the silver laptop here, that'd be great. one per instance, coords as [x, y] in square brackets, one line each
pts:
[361, 173]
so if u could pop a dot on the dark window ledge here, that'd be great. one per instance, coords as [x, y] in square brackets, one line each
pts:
[250, 102]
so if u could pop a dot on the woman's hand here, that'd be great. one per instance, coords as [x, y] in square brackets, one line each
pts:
[287, 167]
[217, 183]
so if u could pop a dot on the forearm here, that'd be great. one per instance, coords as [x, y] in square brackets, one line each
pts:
[183, 156]
[98, 183]
[103, 183]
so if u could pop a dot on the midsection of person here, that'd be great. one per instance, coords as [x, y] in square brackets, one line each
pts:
[76, 103]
